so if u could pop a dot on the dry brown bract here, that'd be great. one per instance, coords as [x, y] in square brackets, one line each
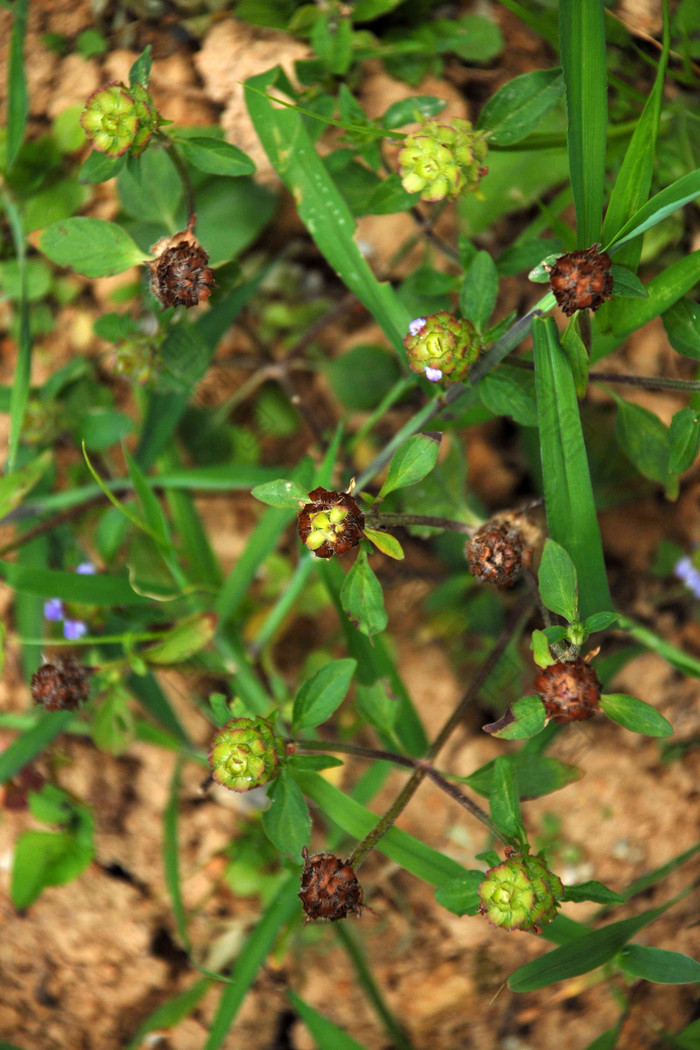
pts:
[329, 888]
[330, 523]
[570, 690]
[61, 686]
[582, 280]
[495, 554]
[180, 274]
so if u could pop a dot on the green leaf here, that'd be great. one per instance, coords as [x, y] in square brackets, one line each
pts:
[281, 493]
[321, 207]
[519, 106]
[682, 324]
[684, 440]
[325, 1034]
[644, 439]
[571, 512]
[479, 290]
[27, 746]
[557, 581]
[23, 364]
[183, 641]
[659, 965]
[584, 954]
[633, 180]
[664, 203]
[320, 695]
[331, 38]
[575, 349]
[592, 891]
[287, 822]
[215, 156]
[92, 247]
[626, 284]
[386, 543]
[362, 597]
[43, 859]
[541, 652]
[171, 856]
[535, 775]
[526, 718]
[510, 392]
[461, 896]
[140, 72]
[599, 622]
[100, 589]
[18, 97]
[583, 57]
[405, 110]
[170, 1013]
[504, 804]
[635, 715]
[412, 462]
[113, 727]
[14, 487]
[100, 168]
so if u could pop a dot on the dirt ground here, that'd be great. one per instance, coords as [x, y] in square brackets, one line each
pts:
[83, 967]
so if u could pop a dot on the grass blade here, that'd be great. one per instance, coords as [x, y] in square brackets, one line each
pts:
[22, 750]
[22, 379]
[171, 856]
[17, 96]
[582, 41]
[633, 180]
[171, 1012]
[321, 207]
[283, 907]
[571, 512]
[326, 1035]
[664, 203]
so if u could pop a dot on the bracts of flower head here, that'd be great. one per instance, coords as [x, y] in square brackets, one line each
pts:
[442, 347]
[180, 272]
[581, 280]
[443, 161]
[499, 551]
[245, 754]
[62, 685]
[521, 893]
[569, 690]
[117, 119]
[329, 888]
[330, 523]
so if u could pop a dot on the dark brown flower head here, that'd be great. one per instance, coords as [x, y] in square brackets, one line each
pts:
[331, 523]
[329, 888]
[582, 280]
[180, 273]
[496, 553]
[61, 686]
[570, 690]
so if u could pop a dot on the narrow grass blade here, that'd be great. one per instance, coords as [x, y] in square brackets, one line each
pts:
[633, 181]
[584, 954]
[22, 750]
[322, 208]
[664, 203]
[582, 42]
[100, 589]
[155, 702]
[17, 95]
[326, 1035]
[171, 856]
[22, 377]
[422, 861]
[283, 907]
[171, 1012]
[571, 512]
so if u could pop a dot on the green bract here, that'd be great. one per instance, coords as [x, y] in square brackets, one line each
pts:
[441, 346]
[443, 160]
[245, 754]
[117, 119]
[520, 894]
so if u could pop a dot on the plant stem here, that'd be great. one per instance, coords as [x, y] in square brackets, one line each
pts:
[518, 616]
[688, 386]
[184, 175]
[381, 521]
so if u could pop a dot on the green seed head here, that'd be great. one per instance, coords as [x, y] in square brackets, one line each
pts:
[520, 894]
[441, 347]
[443, 160]
[245, 754]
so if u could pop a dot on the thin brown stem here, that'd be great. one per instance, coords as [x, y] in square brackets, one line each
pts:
[516, 620]
[382, 521]
[688, 386]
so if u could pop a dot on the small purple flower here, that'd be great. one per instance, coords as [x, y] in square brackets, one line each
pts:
[86, 568]
[433, 374]
[74, 629]
[53, 609]
[415, 326]
[686, 570]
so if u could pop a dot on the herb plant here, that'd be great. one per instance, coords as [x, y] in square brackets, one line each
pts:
[110, 554]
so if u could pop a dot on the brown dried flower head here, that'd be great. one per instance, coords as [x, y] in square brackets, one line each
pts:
[61, 686]
[582, 280]
[329, 888]
[570, 690]
[497, 553]
[180, 273]
[331, 523]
